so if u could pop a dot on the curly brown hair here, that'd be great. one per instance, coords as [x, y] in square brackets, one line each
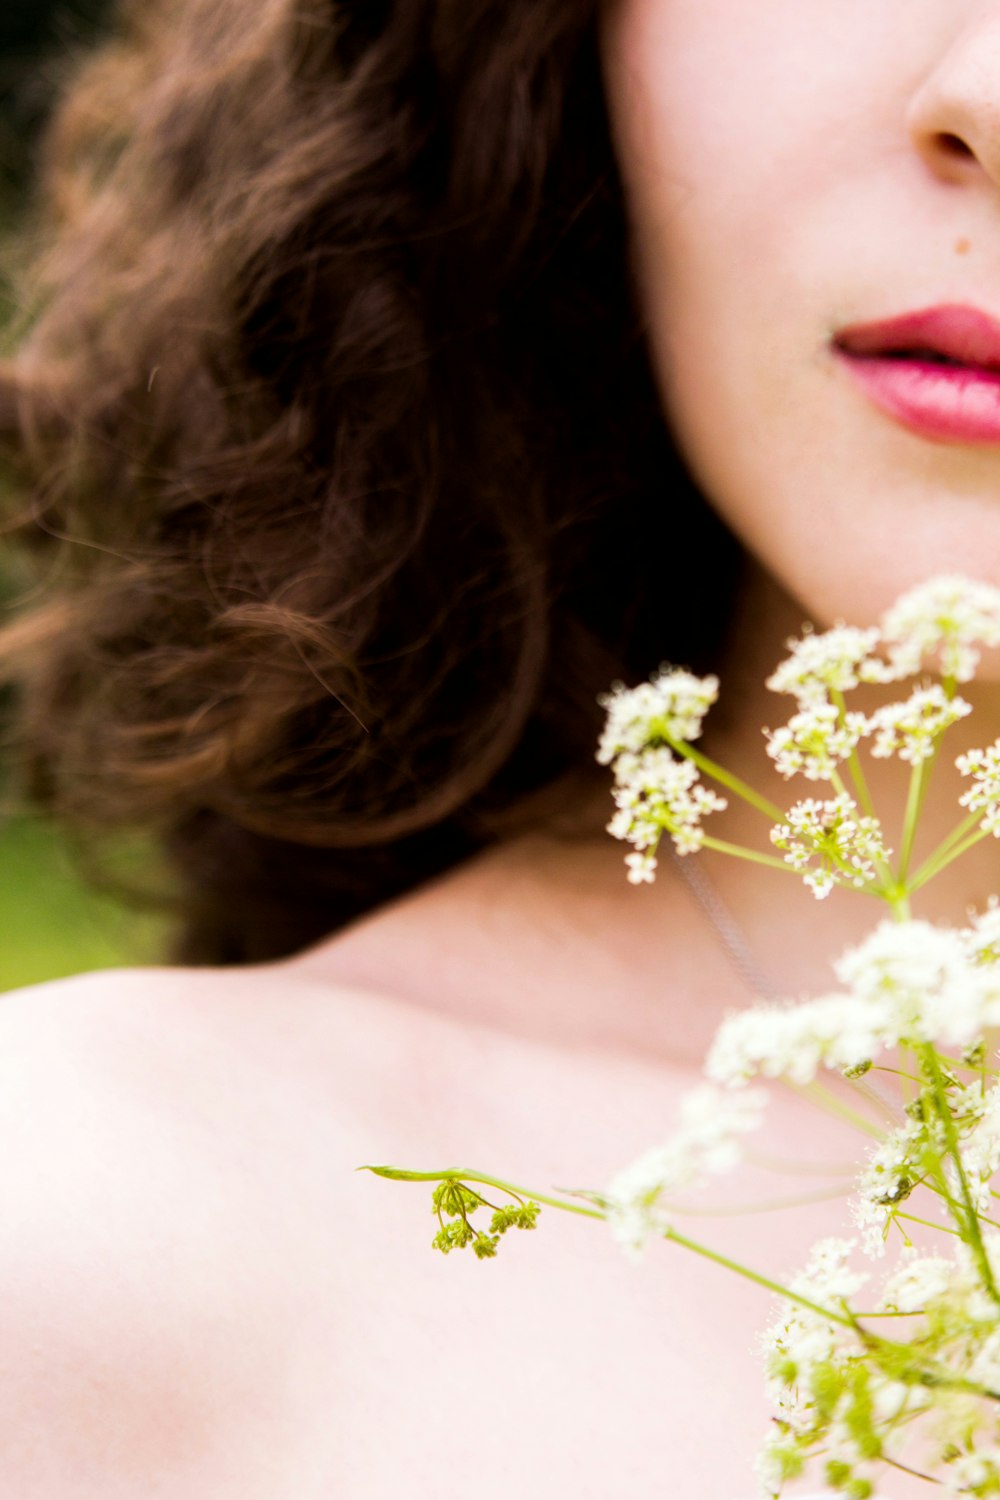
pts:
[338, 445]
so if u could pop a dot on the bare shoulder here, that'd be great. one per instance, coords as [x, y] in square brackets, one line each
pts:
[148, 1257]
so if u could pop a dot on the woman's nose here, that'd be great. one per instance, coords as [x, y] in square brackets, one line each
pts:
[954, 116]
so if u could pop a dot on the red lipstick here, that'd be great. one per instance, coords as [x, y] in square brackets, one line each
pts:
[936, 372]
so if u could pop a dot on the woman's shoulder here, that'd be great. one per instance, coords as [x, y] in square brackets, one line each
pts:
[154, 1191]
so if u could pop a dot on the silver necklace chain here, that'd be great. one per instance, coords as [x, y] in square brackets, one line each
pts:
[725, 926]
[733, 941]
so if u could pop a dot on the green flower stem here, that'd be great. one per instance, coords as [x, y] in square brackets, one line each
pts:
[834, 1105]
[402, 1174]
[914, 802]
[854, 762]
[898, 902]
[956, 853]
[935, 862]
[867, 1315]
[739, 851]
[873, 1342]
[676, 1238]
[932, 1068]
[926, 1223]
[727, 779]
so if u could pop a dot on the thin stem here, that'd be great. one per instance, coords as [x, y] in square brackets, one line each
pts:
[956, 853]
[402, 1174]
[930, 865]
[926, 1223]
[854, 763]
[739, 851]
[727, 779]
[675, 1236]
[832, 1102]
[971, 1218]
[894, 1463]
[897, 1072]
[914, 802]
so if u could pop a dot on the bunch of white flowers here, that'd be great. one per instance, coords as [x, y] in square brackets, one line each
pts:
[950, 617]
[983, 767]
[833, 842]
[651, 728]
[912, 1379]
[655, 793]
[669, 708]
[915, 998]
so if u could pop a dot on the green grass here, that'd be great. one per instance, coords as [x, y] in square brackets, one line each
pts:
[51, 924]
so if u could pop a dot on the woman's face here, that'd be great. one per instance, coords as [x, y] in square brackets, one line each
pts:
[802, 175]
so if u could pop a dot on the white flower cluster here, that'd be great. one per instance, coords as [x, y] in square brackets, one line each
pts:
[909, 982]
[949, 617]
[655, 793]
[983, 766]
[847, 1389]
[911, 729]
[707, 1142]
[974, 1473]
[832, 661]
[671, 706]
[982, 938]
[894, 1168]
[923, 984]
[832, 842]
[809, 1362]
[830, 1399]
[977, 1116]
[815, 741]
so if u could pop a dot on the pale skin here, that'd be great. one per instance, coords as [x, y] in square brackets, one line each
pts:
[201, 1296]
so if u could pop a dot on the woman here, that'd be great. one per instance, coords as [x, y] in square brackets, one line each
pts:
[341, 426]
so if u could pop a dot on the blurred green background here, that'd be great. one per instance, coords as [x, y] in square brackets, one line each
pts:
[51, 922]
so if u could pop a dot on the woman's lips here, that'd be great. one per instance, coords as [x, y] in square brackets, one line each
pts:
[937, 371]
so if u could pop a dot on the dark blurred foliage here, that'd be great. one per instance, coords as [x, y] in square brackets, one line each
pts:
[35, 35]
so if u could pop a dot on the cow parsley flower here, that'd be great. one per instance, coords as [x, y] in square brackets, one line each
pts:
[921, 985]
[815, 741]
[983, 766]
[655, 793]
[950, 616]
[908, 982]
[831, 661]
[973, 1473]
[802, 1348]
[706, 1143]
[832, 842]
[795, 1041]
[977, 1115]
[982, 936]
[916, 1283]
[671, 706]
[910, 729]
[889, 1177]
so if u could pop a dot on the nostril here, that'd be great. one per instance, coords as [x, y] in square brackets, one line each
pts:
[953, 145]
